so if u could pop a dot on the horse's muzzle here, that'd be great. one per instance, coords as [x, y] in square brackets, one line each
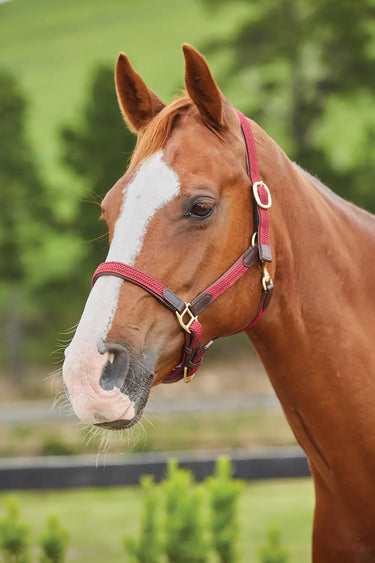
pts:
[109, 388]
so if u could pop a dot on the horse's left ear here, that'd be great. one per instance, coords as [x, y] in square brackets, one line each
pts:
[137, 102]
[202, 87]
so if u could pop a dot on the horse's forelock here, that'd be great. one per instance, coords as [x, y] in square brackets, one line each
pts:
[158, 130]
[155, 134]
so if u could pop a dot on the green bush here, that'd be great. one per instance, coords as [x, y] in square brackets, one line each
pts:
[14, 543]
[148, 547]
[53, 446]
[224, 493]
[185, 541]
[54, 542]
[273, 552]
[186, 526]
[14, 540]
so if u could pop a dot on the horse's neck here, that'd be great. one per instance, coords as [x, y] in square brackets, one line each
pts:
[316, 339]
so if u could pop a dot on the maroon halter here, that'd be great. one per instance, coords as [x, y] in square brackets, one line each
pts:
[187, 313]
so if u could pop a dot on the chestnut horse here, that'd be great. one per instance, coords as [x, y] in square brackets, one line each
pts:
[179, 218]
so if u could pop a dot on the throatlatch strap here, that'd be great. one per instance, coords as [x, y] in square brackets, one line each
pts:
[261, 194]
[233, 274]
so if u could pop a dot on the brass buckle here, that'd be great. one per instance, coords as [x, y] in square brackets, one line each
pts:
[180, 317]
[256, 185]
[266, 278]
[188, 378]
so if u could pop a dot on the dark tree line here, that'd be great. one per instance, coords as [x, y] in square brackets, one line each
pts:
[43, 283]
[23, 217]
[97, 150]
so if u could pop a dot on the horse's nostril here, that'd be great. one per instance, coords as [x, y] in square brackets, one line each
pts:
[115, 370]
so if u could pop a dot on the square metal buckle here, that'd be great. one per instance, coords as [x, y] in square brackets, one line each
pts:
[191, 318]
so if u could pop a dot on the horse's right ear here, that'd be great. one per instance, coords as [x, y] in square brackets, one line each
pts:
[202, 88]
[137, 102]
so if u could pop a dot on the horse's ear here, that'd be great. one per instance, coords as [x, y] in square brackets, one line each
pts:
[137, 102]
[202, 88]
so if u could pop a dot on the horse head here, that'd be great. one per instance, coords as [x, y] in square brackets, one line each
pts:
[178, 218]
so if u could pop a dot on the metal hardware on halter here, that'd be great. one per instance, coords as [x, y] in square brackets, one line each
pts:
[188, 378]
[266, 278]
[180, 317]
[256, 185]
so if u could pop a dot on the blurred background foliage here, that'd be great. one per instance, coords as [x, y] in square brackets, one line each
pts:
[302, 68]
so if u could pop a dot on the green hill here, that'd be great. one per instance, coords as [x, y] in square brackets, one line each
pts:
[54, 46]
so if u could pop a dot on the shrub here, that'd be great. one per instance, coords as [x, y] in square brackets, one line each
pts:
[54, 446]
[54, 542]
[185, 541]
[224, 493]
[14, 545]
[148, 548]
[185, 528]
[273, 552]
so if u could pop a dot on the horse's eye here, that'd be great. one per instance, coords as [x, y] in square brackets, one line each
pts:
[201, 210]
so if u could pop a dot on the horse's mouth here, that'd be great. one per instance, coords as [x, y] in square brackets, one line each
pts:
[120, 424]
[139, 395]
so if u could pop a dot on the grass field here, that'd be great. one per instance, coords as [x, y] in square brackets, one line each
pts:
[229, 430]
[98, 519]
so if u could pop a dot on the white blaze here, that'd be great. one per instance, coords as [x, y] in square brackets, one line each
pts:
[152, 187]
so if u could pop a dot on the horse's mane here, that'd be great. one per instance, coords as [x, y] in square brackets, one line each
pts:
[350, 208]
[156, 133]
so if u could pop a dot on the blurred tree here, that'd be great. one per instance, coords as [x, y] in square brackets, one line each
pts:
[299, 59]
[22, 213]
[36, 254]
[97, 150]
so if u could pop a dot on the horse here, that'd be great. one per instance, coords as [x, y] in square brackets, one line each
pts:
[209, 221]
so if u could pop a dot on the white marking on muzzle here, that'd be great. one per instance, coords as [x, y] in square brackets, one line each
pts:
[152, 187]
